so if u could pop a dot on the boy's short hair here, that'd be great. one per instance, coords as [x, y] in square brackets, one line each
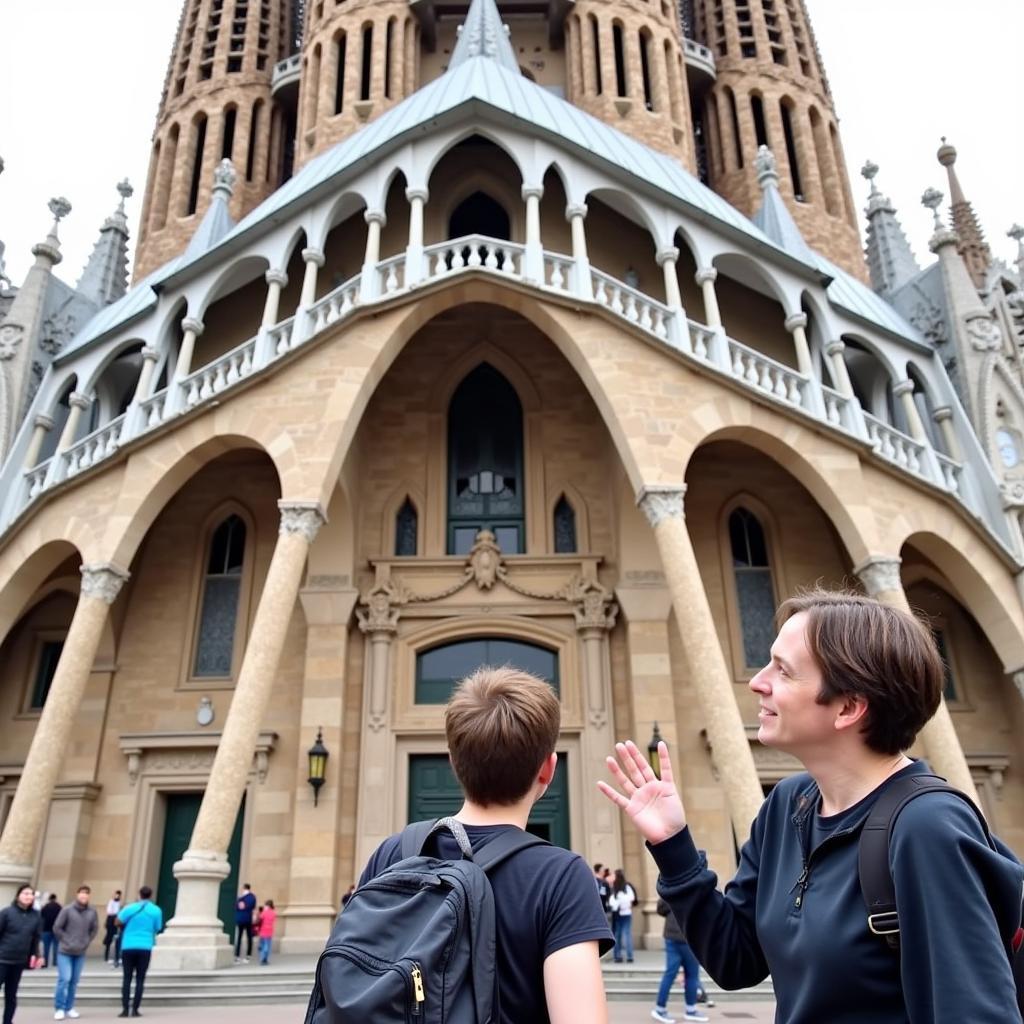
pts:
[145, 892]
[501, 724]
[84, 888]
[872, 650]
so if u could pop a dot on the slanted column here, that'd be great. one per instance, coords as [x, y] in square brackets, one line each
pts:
[796, 324]
[195, 937]
[880, 576]
[706, 666]
[314, 260]
[193, 329]
[840, 374]
[705, 278]
[144, 386]
[414, 269]
[904, 391]
[943, 416]
[77, 403]
[41, 426]
[369, 285]
[54, 734]
[533, 268]
[679, 330]
[277, 280]
[575, 214]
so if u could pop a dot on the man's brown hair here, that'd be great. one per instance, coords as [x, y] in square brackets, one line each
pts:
[872, 650]
[501, 724]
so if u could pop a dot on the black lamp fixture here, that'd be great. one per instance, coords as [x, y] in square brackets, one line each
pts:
[652, 751]
[318, 755]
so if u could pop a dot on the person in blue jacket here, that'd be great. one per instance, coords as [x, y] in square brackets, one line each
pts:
[140, 921]
[850, 684]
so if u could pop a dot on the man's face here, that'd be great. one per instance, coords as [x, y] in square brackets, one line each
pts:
[83, 898]
[790, 717]
[26, 898]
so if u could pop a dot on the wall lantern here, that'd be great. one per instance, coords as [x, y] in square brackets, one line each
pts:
[318, 755]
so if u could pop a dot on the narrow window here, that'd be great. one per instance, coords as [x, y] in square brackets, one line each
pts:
[794, 163]
[254, 125]
[597, 53]
[406, 527]
[389, 41]
[166, 175]
[218, 612]
[314, 90]
[228, 141]
[197, 166]
[46, 669]
[825, 169]
[620, 59]
[734, 113]
[339, 80]
[760, 128]
[645, 71]
[755, 590]
[364, 84]
[565, 527]
[950, 691]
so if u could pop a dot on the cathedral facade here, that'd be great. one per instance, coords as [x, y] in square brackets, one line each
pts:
[478, 333]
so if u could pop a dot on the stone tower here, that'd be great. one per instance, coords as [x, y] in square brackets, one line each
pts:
[770, 89]
[227, 94]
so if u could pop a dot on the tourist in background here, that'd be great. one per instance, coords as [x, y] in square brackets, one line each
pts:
[621, 902]
[75, 928]
[141, 921]
[265, 930]
[111, 937]
[48, 916]
[20, 932]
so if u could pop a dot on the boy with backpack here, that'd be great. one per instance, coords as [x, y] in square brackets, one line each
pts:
[434, 937]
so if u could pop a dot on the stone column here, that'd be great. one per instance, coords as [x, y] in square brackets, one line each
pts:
[369, 285]
[943, 416]
[143, 388]
[195, 939]
[705, 278]
[193, 329]
[679, 329]
[533, 263]
[904, 391]
[881, 578]
[378, 622]
[77, 403]
[276, 281]
[414, 270]
[575, 214]
[53, 736]
[796, 324]
[41, 426]
[840, 374]
[314, 260]
[595, 614]
[706, 665]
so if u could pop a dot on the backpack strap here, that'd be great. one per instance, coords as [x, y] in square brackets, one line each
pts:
[414, 837]
[503, 846]
[876, 882]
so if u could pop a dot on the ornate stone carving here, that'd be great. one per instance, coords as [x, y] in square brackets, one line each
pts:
[10, 339]
[984, 334]
[593, 607]
[880, 574]
[301, 517]
[103, 582]
[658, 503]
[224, 176]
[378, 614]
[59, 207]
[485, 559]
[180, 760]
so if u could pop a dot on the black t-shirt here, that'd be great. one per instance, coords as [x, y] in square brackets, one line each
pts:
[544, 898]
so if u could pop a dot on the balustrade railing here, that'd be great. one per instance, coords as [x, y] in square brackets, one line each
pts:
[765, 374]
[391, 275]
[558, 271]
[632, 305]
[219, 375]
[702, 338]
[952, 472]
[895, 446]
[838, 408]
[35, 479]
[335, 304]
[474, 252]
[281, 336]
[153, 410]
[93, 448]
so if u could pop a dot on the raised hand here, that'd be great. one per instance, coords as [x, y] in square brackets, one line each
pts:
[652, 803]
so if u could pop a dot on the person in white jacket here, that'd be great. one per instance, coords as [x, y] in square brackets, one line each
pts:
[621, 903]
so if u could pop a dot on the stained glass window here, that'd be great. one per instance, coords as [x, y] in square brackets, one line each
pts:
[755, 589]
[406, 526]
[565, 527]
[218, 613]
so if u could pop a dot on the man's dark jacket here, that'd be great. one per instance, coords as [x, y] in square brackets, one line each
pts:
[958, 902]
[20, 932]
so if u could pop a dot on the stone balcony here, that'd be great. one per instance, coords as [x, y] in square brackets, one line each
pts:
[700, 65]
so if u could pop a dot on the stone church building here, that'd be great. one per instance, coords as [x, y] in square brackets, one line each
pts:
[506, 331]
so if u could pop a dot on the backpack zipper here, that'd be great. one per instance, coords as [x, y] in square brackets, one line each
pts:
[417, 987]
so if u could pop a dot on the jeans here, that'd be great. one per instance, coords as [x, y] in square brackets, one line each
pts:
[133, 961]
[69, 970]
[623, 936]
[49, 946]
[265, 949]
[10, 976]
[678, 954]
[240, 930]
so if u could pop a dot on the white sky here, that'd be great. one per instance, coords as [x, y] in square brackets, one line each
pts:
[77, 107]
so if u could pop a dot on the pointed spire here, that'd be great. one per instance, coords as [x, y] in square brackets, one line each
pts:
[774, 218]
[891, 262]
[49, 249]
[973, 246]
[483, 34]
[1016, 232]
[105, 277]
[217, 221]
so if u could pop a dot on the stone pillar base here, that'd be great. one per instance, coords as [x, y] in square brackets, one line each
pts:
[306, 927]
[194, 939]
[12, 878]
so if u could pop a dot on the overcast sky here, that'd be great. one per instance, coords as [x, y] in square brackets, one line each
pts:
[79, 92]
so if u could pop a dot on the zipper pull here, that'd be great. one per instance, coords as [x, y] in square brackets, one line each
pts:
[801, 885]
[417, 987]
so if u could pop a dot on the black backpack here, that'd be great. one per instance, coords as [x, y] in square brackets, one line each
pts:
[876, 879]
[417, 942]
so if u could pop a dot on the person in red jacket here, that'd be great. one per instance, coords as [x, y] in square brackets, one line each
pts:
[265, 930]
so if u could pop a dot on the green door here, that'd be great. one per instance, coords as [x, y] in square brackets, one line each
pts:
[182, 811]
[434, 793]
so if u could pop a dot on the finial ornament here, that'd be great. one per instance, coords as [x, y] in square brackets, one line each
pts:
[1016, 232]
[869, 171]
[764, 164]
[125, 190]
[225, 176]
[932, 198]
[946, 154]
[59, 207]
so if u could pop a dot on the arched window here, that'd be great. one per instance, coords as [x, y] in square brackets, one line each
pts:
[760, 127]
[645, 68]
[485, 463]
[755, 589]
[565, 527]
[254, 127]
[479, 214]
[227, 142]
[199, 144]
[406, 529]
[365, 79]
[218, 608]
[441, 668]
[596, 33]
[619, 49]
[791, 153]
[389, 42]
[340, 42]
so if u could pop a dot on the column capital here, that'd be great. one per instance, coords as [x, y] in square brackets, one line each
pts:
[943, 413]
[594, 609]
[662, 501]
[532, 192]
[795, 320]
[377, 615]
[43, 421]
[375, 217]
[149, 353]
[301, 517]
[276, 277]
[835, 348]
[193, 324]
[103, 580]
[880, 573]
[79, 401]
[574, 210]
[314, 255]
[705, 274]
[903, 387]
[422, 194]
[670, 254]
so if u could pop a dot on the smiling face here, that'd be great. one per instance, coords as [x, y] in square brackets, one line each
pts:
[790, 717]
[26, 896]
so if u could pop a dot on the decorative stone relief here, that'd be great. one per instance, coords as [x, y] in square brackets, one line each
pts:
[302, 518]
[379, 613]
[658, 503]
[984, 334]
[880, 574]
[10, 338]
[103, 582]
[485, 559]
[593, 608]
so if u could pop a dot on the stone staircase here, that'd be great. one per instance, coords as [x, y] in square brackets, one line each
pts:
[289, 979]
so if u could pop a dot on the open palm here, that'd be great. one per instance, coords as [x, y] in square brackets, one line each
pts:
[652, 803]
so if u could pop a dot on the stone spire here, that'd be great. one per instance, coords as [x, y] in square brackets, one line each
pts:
[217, 221]
[483, 34]
[891, 262]
[973, 246]
[773, 216]
[1016, 232]
[105, 277]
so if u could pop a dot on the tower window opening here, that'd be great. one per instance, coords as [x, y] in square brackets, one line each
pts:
[597, 54]
[228, 140]
[340, 45]
[197, 166]
[254, 124]
[760, 128]
[645, 70]
[364, 84]
[734, 114]
[700, 142]
[389, 42]
[620, 59]
[791, 153]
